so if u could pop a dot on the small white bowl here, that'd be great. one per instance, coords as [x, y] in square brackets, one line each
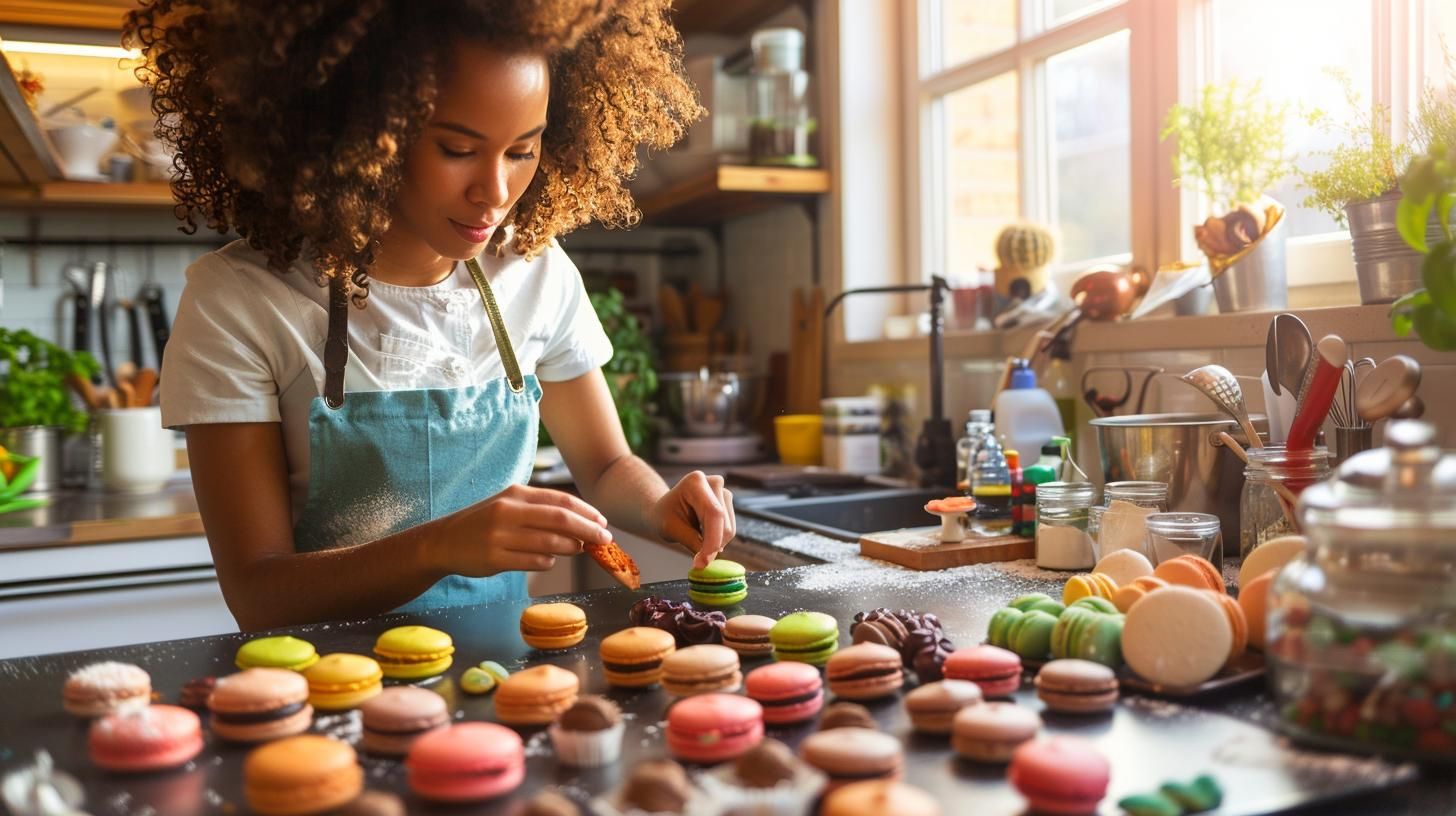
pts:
[81, 148]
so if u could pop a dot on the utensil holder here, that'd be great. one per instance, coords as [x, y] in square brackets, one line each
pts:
[1257, 283]
[1350, 441]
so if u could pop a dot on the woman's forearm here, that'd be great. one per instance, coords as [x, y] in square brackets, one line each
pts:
[625, 491]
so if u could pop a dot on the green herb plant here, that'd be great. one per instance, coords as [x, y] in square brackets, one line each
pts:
[1429, 183]
[1230, 144]
[1367, 162]
[33, 374]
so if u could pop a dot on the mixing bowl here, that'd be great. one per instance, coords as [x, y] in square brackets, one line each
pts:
[711, 403]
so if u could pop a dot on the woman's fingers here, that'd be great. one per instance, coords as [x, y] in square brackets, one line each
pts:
[563, 521]
[544, 542]
[511, 561]
[558, 498]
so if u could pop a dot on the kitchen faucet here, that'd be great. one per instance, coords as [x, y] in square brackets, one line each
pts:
[935, 447]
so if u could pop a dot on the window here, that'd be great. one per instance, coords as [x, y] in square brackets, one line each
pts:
[1049, 110]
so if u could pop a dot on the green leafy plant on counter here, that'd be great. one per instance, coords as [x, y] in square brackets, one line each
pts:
[1230, 144]
[33, 373]
[631, 373]
[1367, 162]
[1429, 183]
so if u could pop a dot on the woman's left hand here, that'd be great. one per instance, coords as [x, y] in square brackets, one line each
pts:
[697, 513]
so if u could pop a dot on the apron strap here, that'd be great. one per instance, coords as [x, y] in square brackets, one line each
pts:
[498, 325]
[336, 348]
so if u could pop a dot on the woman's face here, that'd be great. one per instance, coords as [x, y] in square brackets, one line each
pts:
[477, 154]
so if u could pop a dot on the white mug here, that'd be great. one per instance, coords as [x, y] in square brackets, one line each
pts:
[136, 451]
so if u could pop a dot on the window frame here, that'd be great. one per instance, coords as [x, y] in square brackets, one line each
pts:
[1161, 214]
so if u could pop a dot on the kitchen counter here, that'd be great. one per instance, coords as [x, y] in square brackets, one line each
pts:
[96, 516]
[1147, 740]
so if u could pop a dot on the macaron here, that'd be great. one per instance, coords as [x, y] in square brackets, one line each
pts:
[933, 706]
[1130, 594]
[1060, 774]
[552, 626]
[996, 670]
[713, 727]
[1271, 556]
[277, 652]
[256, 705]
[1096, 603]
[1030, 634]
[194, 692]
[748, 635]
[341, 681]
[536, 696]
[721, 583]
[847, 755]
[1177, 637]
[413, 652]
[145, 738]
[1254, 601]
[483, 677]
[1238, 625]
[701, 669]
[1094, 584]
[1122, 566]
[1090, 635]
[1037, 600]
[103, 688]
[991, 732]
[879, 797]
[808, 637]
[789, 692]
[844, 714]
[1072, 686]
[309, 773]
[1191, 571]
[466, 762]
[632, 658]
[399, 716]
[864, 671]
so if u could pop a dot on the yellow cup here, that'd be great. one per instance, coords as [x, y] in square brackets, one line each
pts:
[800, 438]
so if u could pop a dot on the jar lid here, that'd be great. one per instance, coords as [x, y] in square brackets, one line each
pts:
[1408, 484]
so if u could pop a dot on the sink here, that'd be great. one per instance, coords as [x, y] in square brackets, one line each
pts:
[848, 516]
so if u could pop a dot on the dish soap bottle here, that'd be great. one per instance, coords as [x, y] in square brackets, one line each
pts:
[1026, 416]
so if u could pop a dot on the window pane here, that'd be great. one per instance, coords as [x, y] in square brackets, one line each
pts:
[982, 176]
[1091, 148]
[1060, 11]
[973, 28]
[1441, 46]
[1289, 45]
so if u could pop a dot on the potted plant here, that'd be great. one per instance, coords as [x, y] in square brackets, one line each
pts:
[36, 407]
[1360, 188]
[1429, 184]
[1231, 147]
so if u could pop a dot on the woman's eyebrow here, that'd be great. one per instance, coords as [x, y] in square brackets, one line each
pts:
[475, 134]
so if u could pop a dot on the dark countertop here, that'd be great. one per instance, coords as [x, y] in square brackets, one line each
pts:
[1147, 740]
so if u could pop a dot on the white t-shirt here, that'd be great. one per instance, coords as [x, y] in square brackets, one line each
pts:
[247, 343]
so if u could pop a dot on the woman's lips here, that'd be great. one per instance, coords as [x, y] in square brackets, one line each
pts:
[475, 235]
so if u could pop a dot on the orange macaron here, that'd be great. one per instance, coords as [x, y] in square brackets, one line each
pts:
[1130, 594]
[1254, 601]
[553, 626]
[536, 696]
[1237, 623]
[1191, 571]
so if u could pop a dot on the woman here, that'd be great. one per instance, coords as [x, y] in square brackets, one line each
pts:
[361, 407]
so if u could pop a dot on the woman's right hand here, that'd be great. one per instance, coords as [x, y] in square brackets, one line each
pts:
[519, 528]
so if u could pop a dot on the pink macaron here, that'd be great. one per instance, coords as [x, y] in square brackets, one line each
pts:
[466, 762]
[997, 671]
[790, 692]
[713, 727]
[149, 738]
[1063, 775]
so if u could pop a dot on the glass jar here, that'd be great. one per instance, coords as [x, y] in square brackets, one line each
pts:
[1061, 529]
[781, 129]
[1361, 636]
[1173, 534]
[1153, 495]
[1262, 514]
[1094, 529]
[1123, 525]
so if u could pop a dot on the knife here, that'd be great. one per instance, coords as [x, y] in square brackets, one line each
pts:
[151, 298]
[101, 303]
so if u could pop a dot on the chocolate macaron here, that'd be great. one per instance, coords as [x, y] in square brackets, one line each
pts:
[865, 671]
[1073, 686]
[257, 705]
[398, 716]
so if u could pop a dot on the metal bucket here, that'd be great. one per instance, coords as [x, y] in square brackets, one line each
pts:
[42, 442]
[1257, 283]
[1385, 266]
[1179, 450]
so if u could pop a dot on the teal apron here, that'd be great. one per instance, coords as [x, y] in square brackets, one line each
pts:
[389, 460]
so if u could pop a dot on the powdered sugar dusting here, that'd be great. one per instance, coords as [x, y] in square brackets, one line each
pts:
[1312, 767]
[370, 519]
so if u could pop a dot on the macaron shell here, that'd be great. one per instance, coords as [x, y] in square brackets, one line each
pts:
[413, 652]
[1077, 686]
[865, 671]
[1122, 566]
[1030, 635]
[1271, 556]
[699, 669]
[808, 637]
[1238, 626]
[257, 692]
[1060, 774]
[789, 692]
[713, 727]
[1177, 637]
[148, 738]
[635, 656]
[1254, 601]
[536, 696]
[721, 583]
[996, 670]
[1190, 571]
[748, 635]
[1091, 584]
[306, 774]
[467, 762]
[400, 715]
[342, 681]
[1130, 594]
[553, 626]
[880, 796]
[276, 652]
[103, 688]
[992, 731]
[848, 755]
[932, 707]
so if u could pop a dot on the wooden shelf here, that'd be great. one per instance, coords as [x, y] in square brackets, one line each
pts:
[96, 14]
[84, 194]
[724, 16]
[729, 191]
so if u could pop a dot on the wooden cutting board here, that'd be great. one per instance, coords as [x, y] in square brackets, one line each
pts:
[806, 345]
[920, 548]
[780, 476]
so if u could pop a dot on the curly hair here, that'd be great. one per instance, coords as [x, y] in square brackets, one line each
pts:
[291, 118]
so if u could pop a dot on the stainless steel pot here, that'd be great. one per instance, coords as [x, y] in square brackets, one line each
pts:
[42, 442]
[1179, 449]
[1257, 283]
[711, 403]
[1385, 266]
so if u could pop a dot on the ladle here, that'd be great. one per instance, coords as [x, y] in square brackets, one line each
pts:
[1219, 385]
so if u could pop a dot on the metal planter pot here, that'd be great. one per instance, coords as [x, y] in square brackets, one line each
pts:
[1257, 283]
[42, 442]
[1385, 267]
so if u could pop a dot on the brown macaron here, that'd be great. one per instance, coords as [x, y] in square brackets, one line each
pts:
[933, 706]
[257, 705]
[398, 716]
[748, 635]
[701, 669]
[847, 755]
[847, 715]
[657, 786]
[865, 671]
[1072, 686]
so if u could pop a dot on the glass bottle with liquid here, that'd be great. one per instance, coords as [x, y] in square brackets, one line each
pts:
[978, 428]
[781, 129]
[991, 484]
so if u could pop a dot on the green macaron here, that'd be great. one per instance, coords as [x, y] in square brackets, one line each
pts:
[721, 583]
[1001, 623]
[277, 652]
[1031, 636]
[806, 637]
[1149, 804]
[1202, 794]
[1038, 600]
[1100, 640]
[1097, 604]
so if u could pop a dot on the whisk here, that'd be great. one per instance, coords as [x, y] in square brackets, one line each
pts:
[1343, 409]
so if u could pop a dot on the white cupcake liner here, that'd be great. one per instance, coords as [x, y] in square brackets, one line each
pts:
[791, 798]
[611, 805]
[587, 749]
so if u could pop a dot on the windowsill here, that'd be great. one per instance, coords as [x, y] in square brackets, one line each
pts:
[1356, 324]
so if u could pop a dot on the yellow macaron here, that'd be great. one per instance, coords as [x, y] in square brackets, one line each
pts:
[413, 652]
[1093, 584]
[553, 625]
[341, 681]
